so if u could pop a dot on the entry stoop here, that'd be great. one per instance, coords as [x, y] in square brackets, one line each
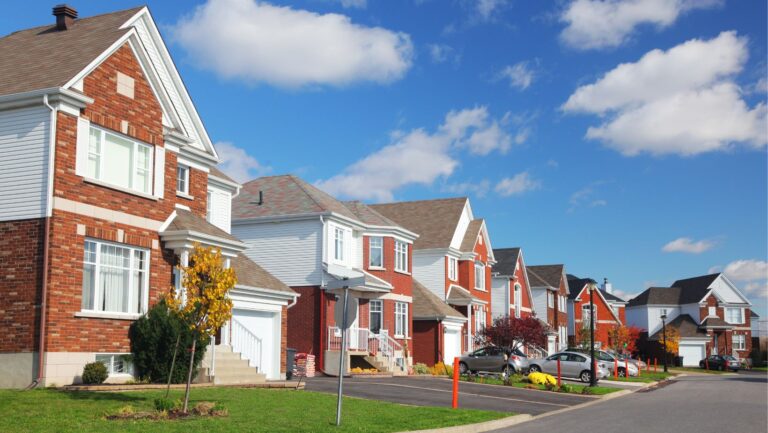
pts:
[231, 368]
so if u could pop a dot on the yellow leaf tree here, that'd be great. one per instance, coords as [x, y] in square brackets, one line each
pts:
[672, 341]
[203, 305]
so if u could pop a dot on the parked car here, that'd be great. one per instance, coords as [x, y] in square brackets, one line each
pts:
[610, 358]
[572, 364]
[639, 363]
[721, 362]
[494, 359]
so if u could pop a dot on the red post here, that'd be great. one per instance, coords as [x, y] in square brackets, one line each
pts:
[616, 369]
[626, 368]
[655, 364]
[559, 377]
[455, 403]
[648, 366]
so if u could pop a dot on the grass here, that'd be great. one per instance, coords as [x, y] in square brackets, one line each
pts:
[644, 377]
[576, 389]
[760, 368]
[250, 410]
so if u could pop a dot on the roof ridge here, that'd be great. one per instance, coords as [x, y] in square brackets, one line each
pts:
[45, 26]
[311, 196]
[422, 201]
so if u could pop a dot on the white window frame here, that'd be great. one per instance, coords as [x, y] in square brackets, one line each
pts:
[376, 306]
[182, 179]
[96, 295]
[740, 321]
[584, 321]
[209, 206]
[453, 268]
[480, 319]
[663, 312]
[401, 320]
[339, 243]
[550, 299]
[401, 256]
[371, 247]
[712, 311]
[98, 157]
[480, 276]
[110, 363]
[742, 339]
[518, 300]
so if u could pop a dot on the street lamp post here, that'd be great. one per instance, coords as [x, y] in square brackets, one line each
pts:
[664, 339]
[593, 375]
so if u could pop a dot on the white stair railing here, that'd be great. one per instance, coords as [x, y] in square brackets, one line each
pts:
[247, 344]
[357, 339]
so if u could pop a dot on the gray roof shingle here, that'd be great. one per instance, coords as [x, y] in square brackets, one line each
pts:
[368, 215]
[186, 220]
[221, 175]
[427, 305]
[545, 275]
[506, 260]
[694, 289]
[250, 274]
[685, 325]
[435, 221]
[42, 57]
[470, 236]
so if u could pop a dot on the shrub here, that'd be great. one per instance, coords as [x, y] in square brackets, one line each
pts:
[441, 369]
[94, 373]
[164, 404]
[153, 340]
[542, 379]
[420, 368]
[566, 388]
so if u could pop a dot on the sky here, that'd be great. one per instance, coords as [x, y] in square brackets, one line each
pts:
[623, 138]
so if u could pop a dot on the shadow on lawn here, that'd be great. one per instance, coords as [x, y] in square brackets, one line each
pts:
[101, 396]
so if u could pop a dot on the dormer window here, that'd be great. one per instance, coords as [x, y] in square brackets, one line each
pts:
[338, 244]
[182, 179]
[120, 161]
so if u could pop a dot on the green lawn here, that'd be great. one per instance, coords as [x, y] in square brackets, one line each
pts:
[644, 377]
[577, 389]
[760, 368]
[250, 410]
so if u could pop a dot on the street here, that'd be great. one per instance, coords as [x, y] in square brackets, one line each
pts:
[700, 404]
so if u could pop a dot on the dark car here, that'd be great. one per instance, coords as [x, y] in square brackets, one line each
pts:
[494, 359]
[720, 362]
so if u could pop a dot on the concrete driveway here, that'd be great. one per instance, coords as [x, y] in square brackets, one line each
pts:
[427, 391]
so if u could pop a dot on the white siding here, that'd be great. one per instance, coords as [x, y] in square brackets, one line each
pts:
[725, 291]
[221, 208]
[429, 269]
[291, 251]
[24, 155]
[691, 310]
[540, 303]
[654, 317]
[500, 297]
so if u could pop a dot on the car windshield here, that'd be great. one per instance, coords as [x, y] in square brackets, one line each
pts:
[519, 353]
[604, 356]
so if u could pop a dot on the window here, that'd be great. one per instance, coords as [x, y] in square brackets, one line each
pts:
[734, 315]
[586, 316]
[739, 342]
[550, 300]
[561, 303]
[479, 276]
[572, 357]
[376, 252]
[480, 319]
[518, 300]
[376, 315]
[401, 256]
[119, 161]
[118, 363]
[338, 244]
[712, 311]
[208, 205]
[182, 179]
[115, 278]
[663, 312]
[401, 319]
[453, 268]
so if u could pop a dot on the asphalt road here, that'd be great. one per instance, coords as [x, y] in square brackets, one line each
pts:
[691, 404]
[427, 391]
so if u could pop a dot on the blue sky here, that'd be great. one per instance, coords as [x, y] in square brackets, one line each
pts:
[626, 139]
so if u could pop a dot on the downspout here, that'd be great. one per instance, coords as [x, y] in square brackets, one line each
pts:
[46, 243]
[321, 294]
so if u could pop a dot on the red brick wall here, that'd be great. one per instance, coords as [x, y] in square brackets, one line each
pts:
[21, 276]
[725, 337]
[426, 341]
[403, 283]
[303, 323]
[603, 313]
[560, 318]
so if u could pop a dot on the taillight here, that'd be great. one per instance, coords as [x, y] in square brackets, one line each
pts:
[515, 358]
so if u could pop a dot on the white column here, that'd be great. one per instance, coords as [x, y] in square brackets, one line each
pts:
[469, 327]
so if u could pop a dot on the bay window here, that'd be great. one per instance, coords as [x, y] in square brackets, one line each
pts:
[401, 319]
[479, 276]
[401, 256]
[734, 315]
[119, 161]
[115, 278]
[376, 252]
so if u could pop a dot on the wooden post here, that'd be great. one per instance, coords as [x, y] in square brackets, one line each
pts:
[655, 364]
[559, 376]
[455, 403]
[615, 369]
[648, 366]
[626, 369]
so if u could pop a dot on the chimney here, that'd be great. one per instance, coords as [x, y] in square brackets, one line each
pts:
[65, 16]
[607, 287]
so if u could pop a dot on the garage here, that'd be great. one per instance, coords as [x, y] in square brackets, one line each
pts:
[692, 353]
[451, 343]
[263, 328]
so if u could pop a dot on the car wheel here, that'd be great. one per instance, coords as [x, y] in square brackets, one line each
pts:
[585, 376]
[463, 368]
[534, 369]
[622, 372]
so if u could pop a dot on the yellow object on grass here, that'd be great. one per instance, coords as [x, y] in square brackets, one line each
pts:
[542, 379]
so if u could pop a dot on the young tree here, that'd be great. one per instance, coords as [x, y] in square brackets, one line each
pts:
[513, 333]
[204, 305]
[673, 341]
[623, 338]
[583, 337]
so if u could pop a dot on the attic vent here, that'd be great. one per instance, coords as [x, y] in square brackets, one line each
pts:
[65, 16]
[261, 199]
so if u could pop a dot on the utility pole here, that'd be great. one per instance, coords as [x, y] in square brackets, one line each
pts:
[593, 375]
[664, 339]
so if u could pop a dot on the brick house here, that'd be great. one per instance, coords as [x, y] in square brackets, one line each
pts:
[105, 174]
[550, 290]
[510, 290]
[709, 311]
[307, 238]
[606, 314]
[452, 258]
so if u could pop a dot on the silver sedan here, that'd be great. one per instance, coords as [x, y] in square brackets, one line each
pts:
[572, 364]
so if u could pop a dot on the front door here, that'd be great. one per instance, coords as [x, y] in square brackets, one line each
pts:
[451, 344]
[375, 315]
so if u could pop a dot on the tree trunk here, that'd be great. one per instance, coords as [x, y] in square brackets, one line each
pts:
[173, 363]
[189, 374]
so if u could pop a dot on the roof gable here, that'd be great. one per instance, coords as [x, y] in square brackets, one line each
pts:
[581, 284]
[427, 305]
[435, 221]
[506, 260]
[546, 275]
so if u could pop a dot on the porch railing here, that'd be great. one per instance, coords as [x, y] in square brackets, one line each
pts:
[363, 340]
[246, 343]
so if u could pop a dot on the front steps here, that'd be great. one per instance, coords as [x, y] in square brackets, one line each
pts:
[381, 363]
[230, 368]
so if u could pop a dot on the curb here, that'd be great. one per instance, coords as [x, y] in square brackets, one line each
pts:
[479, 427]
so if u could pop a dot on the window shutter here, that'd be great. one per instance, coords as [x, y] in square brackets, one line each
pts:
[81, 152]
[159, 171]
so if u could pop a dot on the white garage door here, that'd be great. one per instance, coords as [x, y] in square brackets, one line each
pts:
[451, 345]
[265, 326]
[691, 353]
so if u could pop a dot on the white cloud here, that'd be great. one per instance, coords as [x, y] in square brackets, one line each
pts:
[688, 245]
[486, 8]
[259, 42]
[589, 196]
[520, 75]
[237, 163]
[517, 185]
[418, 156]
[441, 53]
[624, 295]
[753, 274]
[680, 101]
[358, 4]
[595, 24]
[479, 189]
